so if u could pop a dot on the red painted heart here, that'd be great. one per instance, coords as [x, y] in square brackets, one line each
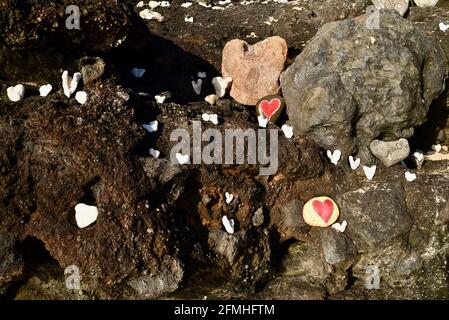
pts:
[269, 108]
[323, 209]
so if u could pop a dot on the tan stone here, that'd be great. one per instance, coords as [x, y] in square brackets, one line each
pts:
[400, 6]
[255, 69]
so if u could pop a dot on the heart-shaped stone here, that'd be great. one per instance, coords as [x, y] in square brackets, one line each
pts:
[263, 122]
[16, 93]
[160, 99]
[369, 172]
[228, 224]
[137, 72]
[70, 84]
[340, 227]
[151, 127]
[321, 212]
[85, 215]
[436, 148]
[288, 131]
[221, 85]
[155, 153]
[197, 86]
[255, 69]
[334, 157]
[270, 107]
[229, 197]
[410, 177]
[81, 97]
[45, 90]
[182, 158]
[354, 163]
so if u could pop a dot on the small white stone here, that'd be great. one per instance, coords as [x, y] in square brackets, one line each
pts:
[154, 153]
[45, 90]
[151, 15]
[443, 27]
[341, 227]
[229, 197]
[369, 172]
[410, 176]
[69, 84]
[140, 4]
[182, 159]
[153, 4]
[263, 122]
[188, 19]
[436, 148]
[186, 4]
[288, 131]
[85, 215]
[137, 72]
[228, 224]
[354, 163]
[221, 85]
[202, 75]
[16, 93]
[197, 86]
[160, 99]
[151, 127]
[426, 3]
[418, 156]
[334, 156]
[165, 4]
[81, 97]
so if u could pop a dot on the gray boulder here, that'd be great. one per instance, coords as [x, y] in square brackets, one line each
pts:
[337, 247]
[352, 84]
[377, 215]
[390, 152]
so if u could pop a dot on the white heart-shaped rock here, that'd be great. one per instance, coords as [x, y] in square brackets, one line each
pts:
[160, 99]
[214, 118]
[70, 84]
[197, 86]
[341, 227]
[334, 156]
[155, 153]
[354, 163]
[45, 90]
[369, 172]
[186, 4]
[151, 127]
[410, 176]
[228, 224]
[288, 131]
[182, 158]
[443, 27]
[81, 97]
[436, 148]
[221, 85]
[418, 156]
[188, 19]
[137, 72]
[205, 117]
[16, 93]
[229, 197]
[85, 215]
[202, 75]
[262, 121]
[151, 15]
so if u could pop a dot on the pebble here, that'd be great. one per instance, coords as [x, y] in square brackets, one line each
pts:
[85, 215]
[154, 153]
[210, 117]
[151, 127]
[211, 99]
[182, 159]
[410, 177]
[443, 27]
[369, 172]
[390, 152]
[45, 90]
[221, 85]
[400, 6]
[228, 224]
[436, 148]
[197, 86]
[202, 75]
[320, 212]
[160, 99]
[137, 72]
[151, 15]
[340, 227]
[334, 157]
[229, 197]
[288, 131]
[271, 107]
[258, 218]
[188, 19]
[16, 93]
[186, 4]
[81, 97]
[354, 163]
[69, 84]
[263, 122]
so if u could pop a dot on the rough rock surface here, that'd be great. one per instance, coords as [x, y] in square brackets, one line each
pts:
[342, 91]
[254, 69]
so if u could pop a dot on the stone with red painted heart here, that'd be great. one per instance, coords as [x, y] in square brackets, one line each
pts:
[270, 107]
[254, 69]
[320, 212]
